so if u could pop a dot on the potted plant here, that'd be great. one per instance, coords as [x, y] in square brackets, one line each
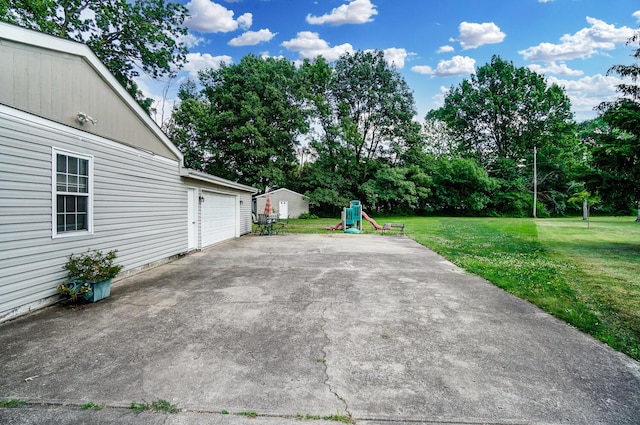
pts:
[89, 276]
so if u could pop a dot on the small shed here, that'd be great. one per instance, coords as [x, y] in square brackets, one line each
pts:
[286, 203]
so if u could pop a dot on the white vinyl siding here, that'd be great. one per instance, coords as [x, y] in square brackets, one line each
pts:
[139, 204]
[139, 192]
[245, 213]
[296, 203]
[218, 215]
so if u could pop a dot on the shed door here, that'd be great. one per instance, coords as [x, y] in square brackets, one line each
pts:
[283, 210]
[218, 218]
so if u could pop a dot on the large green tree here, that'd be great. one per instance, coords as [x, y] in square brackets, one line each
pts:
[363, 110]
[503, 111]
[129, 37]
[242, 121]
[629, 89]
[616, 148]
[460, 186]
[498, 116]
[615, 157]
[375, 105]
[323, 177]
[396, 189]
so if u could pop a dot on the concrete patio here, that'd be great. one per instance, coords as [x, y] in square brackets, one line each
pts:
[377, 328]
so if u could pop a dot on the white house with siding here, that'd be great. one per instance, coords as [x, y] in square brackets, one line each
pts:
[82, 166]
[286, 203]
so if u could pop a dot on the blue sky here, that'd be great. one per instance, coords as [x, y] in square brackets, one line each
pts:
[434, 44]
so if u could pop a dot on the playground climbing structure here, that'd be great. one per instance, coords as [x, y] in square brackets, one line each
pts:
[351, 219]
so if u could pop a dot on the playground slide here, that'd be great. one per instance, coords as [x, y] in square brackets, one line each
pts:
[336, 227]
[372, 221]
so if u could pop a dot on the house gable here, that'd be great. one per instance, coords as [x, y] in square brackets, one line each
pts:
[58, 79]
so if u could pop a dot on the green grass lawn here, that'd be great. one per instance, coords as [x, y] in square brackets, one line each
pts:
[587, 276]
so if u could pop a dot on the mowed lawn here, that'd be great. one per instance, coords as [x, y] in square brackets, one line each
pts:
[587, 274]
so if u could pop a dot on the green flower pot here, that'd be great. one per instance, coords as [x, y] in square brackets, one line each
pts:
[99, 290]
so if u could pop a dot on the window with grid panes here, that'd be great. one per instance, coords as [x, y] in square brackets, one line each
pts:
[72, 193]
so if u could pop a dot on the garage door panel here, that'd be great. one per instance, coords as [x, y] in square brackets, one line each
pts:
[218, 218]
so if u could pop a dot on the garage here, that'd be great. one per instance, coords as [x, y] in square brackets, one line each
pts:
[218, 217]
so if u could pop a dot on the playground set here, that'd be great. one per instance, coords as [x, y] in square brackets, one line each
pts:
[351, 219]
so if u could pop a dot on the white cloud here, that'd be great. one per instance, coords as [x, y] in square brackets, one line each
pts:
[210, 17]
[550, 52]
[555, 68]
[636, 15]
[588, 92]
[355, 12]
[266, 55]
[458, 65]
[245, 21]
[474, 35]
[442, 93]
[309, 46]
[445, 49]
[582, 44]
[396, 56]
[422, 69]
[539, 1]
[252, 38]
[198, 62]
[164, 95]
[191, 40]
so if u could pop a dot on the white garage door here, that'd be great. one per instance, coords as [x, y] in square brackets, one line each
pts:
[218, 218]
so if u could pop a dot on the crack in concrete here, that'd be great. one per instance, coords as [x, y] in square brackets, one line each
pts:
[317, 278]
[323, 350]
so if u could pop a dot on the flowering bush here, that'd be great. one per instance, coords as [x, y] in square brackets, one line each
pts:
[92, 267]
[84, 270]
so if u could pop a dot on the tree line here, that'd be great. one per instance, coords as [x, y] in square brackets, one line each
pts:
[347, 130]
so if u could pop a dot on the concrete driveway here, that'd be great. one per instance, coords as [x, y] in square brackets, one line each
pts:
[377, 328]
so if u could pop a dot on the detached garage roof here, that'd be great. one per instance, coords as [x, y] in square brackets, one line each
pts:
[264, 195]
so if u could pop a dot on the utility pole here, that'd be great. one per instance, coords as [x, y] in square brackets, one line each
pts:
[535, 181]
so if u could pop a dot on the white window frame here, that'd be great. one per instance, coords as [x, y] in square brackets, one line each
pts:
[54, 194]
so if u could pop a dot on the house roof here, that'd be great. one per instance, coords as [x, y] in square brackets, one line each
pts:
[199, 175]
[69, 47]
[264, 195]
